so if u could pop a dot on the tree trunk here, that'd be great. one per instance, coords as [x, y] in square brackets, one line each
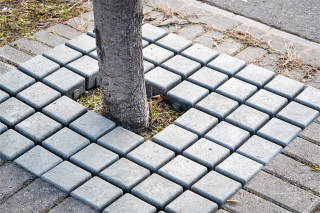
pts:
[119, 48]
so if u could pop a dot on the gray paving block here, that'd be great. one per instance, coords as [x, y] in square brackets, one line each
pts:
[65, 31]
[12, 144]
[190, 31]
[147, 66]
[175, 138]
[239, 168]
[94, 54]
[38, 127]
[228, 46]
[217, 105]
[66, 82]
[156, 55]
[83, 43]
[38, 160]
[3, 128]
[64, 110]
[66, 176]
[285, 87]
[251, 54]
[38, 96]
[3, 96]
[151, 156]
[216, 187]
[13, 55]
[144, 43]
[74, 22]
[174, 43]
[151, 33]
[31, 46]
[5, 67]
[62, 55]
[312, 133]
[228, 135]
[281, 193]
[94, 158]
[72, 205]
[120, 141]
[157, 191]
[159, 81]
[238, 90]
[248, 118]
[279, 132]
[227, 64]
[124, 174]
[310, 97]
[13, 111]
[200, 53]
[267, 102]
[15, 81]
[298, 114]
[92, 126]
[186, 95]
[97, 193]
[91, 33]
[49, 38]
[65, 143]
[209, 38]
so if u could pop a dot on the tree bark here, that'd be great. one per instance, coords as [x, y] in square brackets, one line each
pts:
[119, 49]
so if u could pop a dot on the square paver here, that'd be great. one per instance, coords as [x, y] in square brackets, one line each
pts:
[239, 168]
[250, 54]
[175, 138]
[39, 67]
[38, 160]
[3, 128]
[14, 81]
[285, 87]
[97, 193]
[159, 81]
[13, 111]
[94, 54]
[65, 143]
[3, 96]
[237, 90]
[157, 191]
[309, 97]
[12, 144]
[120, 141]
[92, 126]
[248, 118]
[151, 156]
[216, 187]
[200, 53]
[227, 64]
[91, 33]
[144, 43]
[156, 55]
[38, 127]
[186, 95]
[174, 43]
[267, 102]
[38, 95]
[147, 66]
[228, 135]
[217, 105]
[66, 82]
[125, 174]
[206, 153]
[298, 114]
[62, 55]
[151, 33]
[311, 133]
[88, 68]
[83, 43]
[66, 176]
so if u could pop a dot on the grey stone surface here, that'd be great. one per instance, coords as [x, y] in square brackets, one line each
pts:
[83, 43]
[12, 145]
[62, 55]
[144, 43]
[200, 53]
[13, 55]
[38, 127]
[267, 102]
[298, 114]
[248, 118]
[285, 87]
[66, 82]
[312, 133]
[125, 174]
[279, 132]
[15, 81]
[92, 126]
[65, 31]
[310, 97]
[13, 111]
[156, 55]
[4, 67]
[65, 143]
[186, 95]
[191, 31]
[191, 202]
[3, 96]
[147, 66]
[31, 46]
[91, 33]
[157, 191]
[228, 135]
[120, 141]
[251, 54]
[281, 193]
[38, 160]
[64, 110]
[159, 81]
[151, 156]
[209, 38]
[39, 67]
[174, 43]
[151, 33]
[71, 205]
[216, 187]
[97, 193]
[238, 90]
[239, 168]
[74, 22]
[227, 64]
[3, 128]
[94, 54]
[49, 38]
[228, 46]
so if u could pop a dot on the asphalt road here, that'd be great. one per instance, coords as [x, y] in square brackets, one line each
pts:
[299, 17]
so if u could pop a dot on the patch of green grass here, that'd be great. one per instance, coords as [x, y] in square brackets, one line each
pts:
[3, 162]
[91, 99]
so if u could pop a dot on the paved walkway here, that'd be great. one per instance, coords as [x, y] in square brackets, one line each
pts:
[243, 144]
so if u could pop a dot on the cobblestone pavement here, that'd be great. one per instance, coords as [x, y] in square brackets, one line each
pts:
[247, 142]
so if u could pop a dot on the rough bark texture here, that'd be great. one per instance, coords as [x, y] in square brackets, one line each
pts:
[119, 47]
